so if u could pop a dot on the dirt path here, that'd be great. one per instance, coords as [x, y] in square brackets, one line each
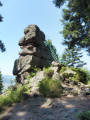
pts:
[40, 108]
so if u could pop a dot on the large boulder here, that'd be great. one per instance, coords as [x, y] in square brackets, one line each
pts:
[33, 53]
[32, 35]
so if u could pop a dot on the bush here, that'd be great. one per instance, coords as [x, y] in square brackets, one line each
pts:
[13, 95]
[50, 88]
[81, 75]
[84, 115]
[63, 69]
[33, 73]
[48, 72]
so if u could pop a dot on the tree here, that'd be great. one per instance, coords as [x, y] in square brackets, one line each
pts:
[52, 49]
[2, 47]
[76, 21]
[1, 84]
[71, 57]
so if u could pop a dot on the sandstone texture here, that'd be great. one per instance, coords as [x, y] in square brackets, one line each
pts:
[33, 53]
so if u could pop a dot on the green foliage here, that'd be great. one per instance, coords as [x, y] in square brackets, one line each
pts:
[1, 84]
[13, 94]
[0, 15]
[63, 69]
[76, 21]
[33, 73]
[72, 57]
[50, 88]
[2, 47]
[49, 73]
[81, 75]
[52, 49]
[84, 115]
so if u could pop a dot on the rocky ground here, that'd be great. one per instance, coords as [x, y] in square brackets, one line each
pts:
[40, 108]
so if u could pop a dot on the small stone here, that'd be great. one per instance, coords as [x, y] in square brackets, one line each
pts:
[61, 109]
[54, 105]
[47, 103]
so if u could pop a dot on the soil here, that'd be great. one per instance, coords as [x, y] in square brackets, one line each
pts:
[40, 108]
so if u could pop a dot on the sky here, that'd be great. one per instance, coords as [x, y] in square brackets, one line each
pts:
[17, 15]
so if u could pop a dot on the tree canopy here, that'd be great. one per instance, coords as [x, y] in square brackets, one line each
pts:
[1, 83]
[72, 57]
[2, 47]
[76, 21]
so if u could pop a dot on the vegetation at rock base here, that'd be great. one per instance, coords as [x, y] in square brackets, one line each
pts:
[50, 88]
[12, 95]
[49, 73]
[84, 115]
[32, 73]
[63, 69]
[82, 75]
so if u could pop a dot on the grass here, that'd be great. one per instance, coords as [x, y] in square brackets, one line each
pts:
[13, 95]
[50, 88]
[33, 73]
[48, 72]
[84, 115]
[82, 75]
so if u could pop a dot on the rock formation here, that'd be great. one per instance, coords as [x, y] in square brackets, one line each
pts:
[34, 53]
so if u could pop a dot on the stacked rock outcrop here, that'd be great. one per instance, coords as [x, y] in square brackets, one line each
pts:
[34, 53]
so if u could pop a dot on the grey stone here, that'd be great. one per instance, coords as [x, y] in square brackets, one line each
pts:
[57, 76]
[36, 79]
[86, 92]
[55, 69]
[55, 64]
[38, 51]
[34, 53]
[47, 103]
[69, 71]
[72, 110]
[7, 117]
[54, 105]
[32, 35]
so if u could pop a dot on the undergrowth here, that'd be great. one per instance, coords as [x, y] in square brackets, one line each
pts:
[84, 115]
[82, 75]
[50, 88]
[13, 94]
[48, 72]
[33, 73]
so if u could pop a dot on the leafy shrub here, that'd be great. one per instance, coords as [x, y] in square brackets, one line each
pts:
[33, 73]
[63, 69]
[48, 72]
[13, 95]
[84, 115]
[81, 75]
[50, 88]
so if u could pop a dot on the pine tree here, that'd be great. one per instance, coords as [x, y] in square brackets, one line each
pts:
[71, 57]
[76, 21]
[52, 49]
[2, 47]
[1, 84]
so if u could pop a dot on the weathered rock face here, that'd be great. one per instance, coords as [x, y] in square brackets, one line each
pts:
[34, 52]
